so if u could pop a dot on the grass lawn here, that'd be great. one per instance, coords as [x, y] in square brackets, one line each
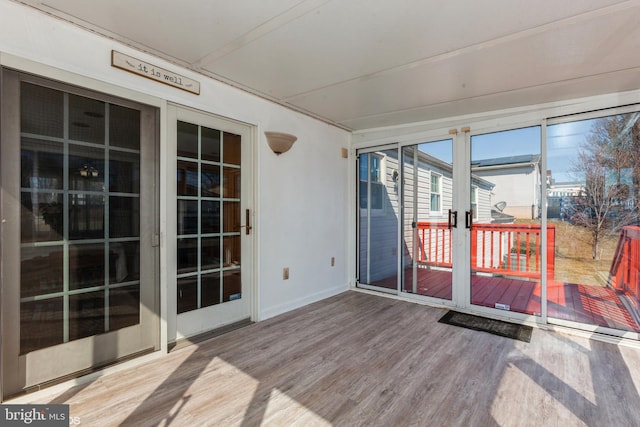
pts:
[574, 263]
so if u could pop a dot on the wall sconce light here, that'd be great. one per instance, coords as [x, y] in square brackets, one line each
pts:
[280, 142]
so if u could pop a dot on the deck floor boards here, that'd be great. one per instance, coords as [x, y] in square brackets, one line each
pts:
[592, 305]
[361, 359]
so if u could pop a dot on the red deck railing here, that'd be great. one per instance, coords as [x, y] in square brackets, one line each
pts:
[623, 275]
[435, 240]
[508, 249]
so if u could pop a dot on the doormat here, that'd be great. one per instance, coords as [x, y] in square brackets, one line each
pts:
[496, 327]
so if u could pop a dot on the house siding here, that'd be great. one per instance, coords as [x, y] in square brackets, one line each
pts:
[383, 238]
[518, 186]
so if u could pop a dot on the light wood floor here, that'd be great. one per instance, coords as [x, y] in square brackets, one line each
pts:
[359, 359]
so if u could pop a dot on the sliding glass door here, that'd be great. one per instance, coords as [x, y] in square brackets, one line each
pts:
[429, 219]
[470, 233]
[378, 218]
[406, 219]
[538, 223]
[593, 202]
[504, 219]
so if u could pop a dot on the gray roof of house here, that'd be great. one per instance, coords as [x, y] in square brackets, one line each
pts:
[525, 158]
[429, 159]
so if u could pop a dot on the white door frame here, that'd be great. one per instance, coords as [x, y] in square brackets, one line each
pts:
[199, 321]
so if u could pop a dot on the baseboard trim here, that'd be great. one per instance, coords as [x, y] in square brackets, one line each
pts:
[301, 302]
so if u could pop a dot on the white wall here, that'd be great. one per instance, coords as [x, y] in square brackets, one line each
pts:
[301, 197]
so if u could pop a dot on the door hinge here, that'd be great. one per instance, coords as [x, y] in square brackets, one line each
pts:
[155, 241]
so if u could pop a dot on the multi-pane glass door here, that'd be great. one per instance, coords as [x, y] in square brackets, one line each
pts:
[213, 221]
[77, 174]
[208, 217]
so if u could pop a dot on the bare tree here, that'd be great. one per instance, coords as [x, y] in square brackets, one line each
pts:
[605, 205]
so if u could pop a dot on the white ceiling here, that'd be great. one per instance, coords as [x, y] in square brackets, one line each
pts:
[369, 63]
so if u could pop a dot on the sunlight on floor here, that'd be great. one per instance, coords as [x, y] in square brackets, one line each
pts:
[233, 388]
[540, 380]
[631, 358]
[533, 396]
[282, 410]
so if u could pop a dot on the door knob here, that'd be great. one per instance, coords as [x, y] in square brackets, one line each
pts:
[247, 221]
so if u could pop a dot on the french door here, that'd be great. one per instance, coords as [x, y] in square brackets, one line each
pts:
[213, 221]
[79, 285]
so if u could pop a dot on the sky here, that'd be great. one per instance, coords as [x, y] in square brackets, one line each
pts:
[563, 142]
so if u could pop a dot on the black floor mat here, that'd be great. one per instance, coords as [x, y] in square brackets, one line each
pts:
[496, 327]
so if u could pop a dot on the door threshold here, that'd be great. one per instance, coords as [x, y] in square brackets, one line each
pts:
[196, 339]
[77, 374]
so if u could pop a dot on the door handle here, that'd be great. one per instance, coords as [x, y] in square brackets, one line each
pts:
[468, 221]
[453, 219]
[247, 221]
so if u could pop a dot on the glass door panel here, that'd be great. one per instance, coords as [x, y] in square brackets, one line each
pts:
[505, 221]
[79, 266]
[593, 199]
[212, 222]
[429, 219]
[208, 236]
[378, 220]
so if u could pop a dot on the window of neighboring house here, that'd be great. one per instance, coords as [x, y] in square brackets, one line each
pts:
[474, 201]
[371, 172]
[436, 193]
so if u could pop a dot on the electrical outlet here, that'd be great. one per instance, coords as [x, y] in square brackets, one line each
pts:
[285, 273]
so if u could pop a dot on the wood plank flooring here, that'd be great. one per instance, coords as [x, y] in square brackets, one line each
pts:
[364, 360]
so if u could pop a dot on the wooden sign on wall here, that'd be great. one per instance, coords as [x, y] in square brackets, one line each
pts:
[153, 72]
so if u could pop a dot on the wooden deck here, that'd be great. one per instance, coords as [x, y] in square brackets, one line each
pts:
[593, 305]
[365, 360]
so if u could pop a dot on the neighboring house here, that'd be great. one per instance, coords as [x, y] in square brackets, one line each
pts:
[378, 203]
[559, 194]
[565, 189]
[517, 182]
